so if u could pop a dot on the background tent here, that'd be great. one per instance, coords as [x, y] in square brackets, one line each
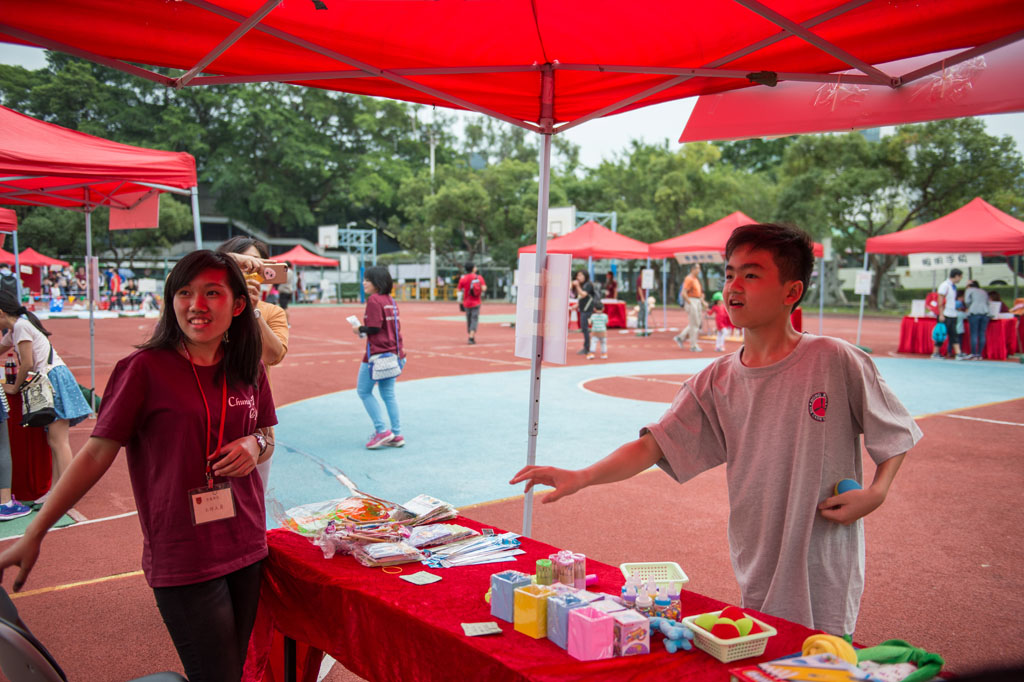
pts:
[43, 164]
[592, 240]
[710, 238]
[977, 226]
[300, 256]
[8, 224]
[32, 257]
[501, 58]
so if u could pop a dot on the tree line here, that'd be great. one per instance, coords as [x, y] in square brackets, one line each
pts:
[286, 159]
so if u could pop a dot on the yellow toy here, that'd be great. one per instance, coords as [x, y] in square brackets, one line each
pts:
[830, 644]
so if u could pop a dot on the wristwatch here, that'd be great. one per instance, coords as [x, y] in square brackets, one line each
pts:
[256, 313]
[261, 441]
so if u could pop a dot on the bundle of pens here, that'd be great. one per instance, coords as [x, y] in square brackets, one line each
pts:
[482, 549]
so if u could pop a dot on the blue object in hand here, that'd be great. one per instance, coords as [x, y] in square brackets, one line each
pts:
[846, 485]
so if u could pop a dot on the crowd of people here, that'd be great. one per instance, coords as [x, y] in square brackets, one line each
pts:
[969, 309]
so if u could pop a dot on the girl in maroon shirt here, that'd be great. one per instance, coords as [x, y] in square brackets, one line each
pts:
[191, 407]
[383, 332]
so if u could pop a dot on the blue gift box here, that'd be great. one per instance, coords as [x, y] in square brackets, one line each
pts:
[503, 587]
[559, 607]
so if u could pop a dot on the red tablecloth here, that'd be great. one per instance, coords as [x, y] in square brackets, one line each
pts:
[383, 628]
[31, 461]
[614, 308]
[1000, 337]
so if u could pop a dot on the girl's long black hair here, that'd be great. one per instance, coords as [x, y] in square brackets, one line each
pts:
[244, 347]
[12, 306]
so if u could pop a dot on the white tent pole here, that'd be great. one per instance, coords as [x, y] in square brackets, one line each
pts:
[197, 227]
[664, 293]
[860, 318]
[821, 296]
[92, 322]
[537, 345]
[17, 265]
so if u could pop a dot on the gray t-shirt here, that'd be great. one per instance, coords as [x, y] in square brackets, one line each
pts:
[787, 434]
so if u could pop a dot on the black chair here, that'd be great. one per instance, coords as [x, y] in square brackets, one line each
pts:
[23, 658]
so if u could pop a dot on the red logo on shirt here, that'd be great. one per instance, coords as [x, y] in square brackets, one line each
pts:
[817, 405]
[199, 500]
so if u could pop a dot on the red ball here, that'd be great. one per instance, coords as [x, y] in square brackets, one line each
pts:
[732, 613]
[725, 630]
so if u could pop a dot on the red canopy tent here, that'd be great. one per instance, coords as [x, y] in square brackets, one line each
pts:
[8, 223]
[710, 238]
[593, 240]
[32, 257]
[978, 226]
[533, 64]
[300, 256]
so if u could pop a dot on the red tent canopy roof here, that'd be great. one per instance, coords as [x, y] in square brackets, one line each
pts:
[43, 163]
[710, 238]
[976, 226]
[6, 257]
[32, 257]
[490, 56]
[302, 256]
[591, 240]
[8, 220]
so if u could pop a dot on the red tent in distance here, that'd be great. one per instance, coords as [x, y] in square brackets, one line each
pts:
[300, 256]
[975, 227]
[710, 238]
[8, 220]
[592, 240]
[32, 257]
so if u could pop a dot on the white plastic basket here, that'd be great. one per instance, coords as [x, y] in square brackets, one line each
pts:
[728, 650]
[664, 573]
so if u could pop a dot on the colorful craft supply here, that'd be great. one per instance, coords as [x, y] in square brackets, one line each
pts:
[632, 634]
[579, 571]
[591, 634]
[530, 610]
[559, 606]
[565, 568]
[545, 572]
[503, 586]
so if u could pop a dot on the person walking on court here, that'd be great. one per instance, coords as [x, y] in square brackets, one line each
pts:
[585, 297]
[383, 332]
[472, 285]
[599, 329]
[24, 332]
[693, 297]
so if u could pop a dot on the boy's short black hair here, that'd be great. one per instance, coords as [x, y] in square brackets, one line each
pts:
[955, 272]
[792, 249]
[469, 266]
[598, 305]
[380, 278]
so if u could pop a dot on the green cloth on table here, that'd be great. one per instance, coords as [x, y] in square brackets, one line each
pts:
[898, 651]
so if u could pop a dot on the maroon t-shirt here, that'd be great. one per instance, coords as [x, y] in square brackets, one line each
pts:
[153, 407]
[381, 311]
[468, 299]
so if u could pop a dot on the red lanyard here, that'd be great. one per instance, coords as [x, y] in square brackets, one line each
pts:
[223, 414]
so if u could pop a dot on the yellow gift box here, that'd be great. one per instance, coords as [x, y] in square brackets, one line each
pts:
[530, 610]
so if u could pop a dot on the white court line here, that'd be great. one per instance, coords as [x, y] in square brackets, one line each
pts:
[979, 419]
[78, 523]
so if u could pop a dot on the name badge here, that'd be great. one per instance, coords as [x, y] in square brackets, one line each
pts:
[211, 504]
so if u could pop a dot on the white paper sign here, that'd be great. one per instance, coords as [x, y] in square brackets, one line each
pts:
[699, 257]
[546, 314]
[647, 278]
[147, 285]
[862, 286]
[917, 308]
[943, 261]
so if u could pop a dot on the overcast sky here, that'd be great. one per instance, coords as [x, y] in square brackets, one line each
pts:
[602, 138]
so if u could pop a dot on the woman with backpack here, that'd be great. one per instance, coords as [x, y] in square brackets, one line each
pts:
[383, 334]
[24, 331]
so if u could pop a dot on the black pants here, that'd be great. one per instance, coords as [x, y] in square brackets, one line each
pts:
[210, 623]
[585, 328]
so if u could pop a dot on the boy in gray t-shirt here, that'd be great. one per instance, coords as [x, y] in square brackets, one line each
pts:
[785, 415]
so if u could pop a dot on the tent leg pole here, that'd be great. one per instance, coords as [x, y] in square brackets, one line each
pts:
[821, 296]
[92, 320]
[17, 265]
[664, 293]
[860, 317]
[537, 345]
[197, 227]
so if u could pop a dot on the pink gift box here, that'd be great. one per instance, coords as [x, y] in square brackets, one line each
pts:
[591, 634]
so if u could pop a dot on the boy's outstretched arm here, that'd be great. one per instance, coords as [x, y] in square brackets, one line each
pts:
[628, 460]
[856, 504]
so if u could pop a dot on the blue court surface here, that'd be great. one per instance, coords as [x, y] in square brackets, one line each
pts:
[467, 434]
